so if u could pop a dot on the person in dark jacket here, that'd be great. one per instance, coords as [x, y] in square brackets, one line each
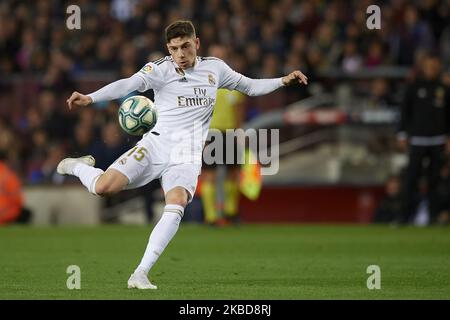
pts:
[425, 129]
[390, 206]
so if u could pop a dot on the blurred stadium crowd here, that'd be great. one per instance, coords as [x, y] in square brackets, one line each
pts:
[42, 61]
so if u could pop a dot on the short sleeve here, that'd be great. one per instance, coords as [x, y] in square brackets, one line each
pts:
[229, 79]
[152, 75]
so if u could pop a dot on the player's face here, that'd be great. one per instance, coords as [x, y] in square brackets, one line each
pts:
[184, 51]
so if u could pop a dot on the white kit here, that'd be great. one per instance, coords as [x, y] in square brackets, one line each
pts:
[185, 102]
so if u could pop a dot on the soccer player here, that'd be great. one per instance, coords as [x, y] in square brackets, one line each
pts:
[185, 87]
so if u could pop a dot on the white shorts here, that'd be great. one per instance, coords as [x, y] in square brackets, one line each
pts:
[144, 163]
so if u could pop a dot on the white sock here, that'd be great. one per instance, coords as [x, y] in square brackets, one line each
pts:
[161, 235]
[88, 175]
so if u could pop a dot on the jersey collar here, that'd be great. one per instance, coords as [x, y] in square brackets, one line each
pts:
[196, 61]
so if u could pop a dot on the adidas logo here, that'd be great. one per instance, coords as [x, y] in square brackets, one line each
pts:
[183, 80]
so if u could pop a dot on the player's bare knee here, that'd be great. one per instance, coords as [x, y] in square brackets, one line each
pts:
[178, 201]
[110, 183]
[105, 188]
[101, 189]
[178, 197]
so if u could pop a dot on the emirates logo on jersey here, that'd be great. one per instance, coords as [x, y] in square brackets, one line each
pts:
[184, 101]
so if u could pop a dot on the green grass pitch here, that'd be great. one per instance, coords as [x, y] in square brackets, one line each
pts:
[246, 262]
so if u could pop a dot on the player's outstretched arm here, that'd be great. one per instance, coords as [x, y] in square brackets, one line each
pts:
[112, 91]
[259, 87]
[233, 80]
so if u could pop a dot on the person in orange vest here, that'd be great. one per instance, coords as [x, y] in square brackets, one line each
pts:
[11, 199]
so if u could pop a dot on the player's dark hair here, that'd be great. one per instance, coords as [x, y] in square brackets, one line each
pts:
[180, 28]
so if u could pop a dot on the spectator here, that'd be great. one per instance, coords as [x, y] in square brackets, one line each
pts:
[375, 54]
[351, 60]
[379, 95]
[415, 35]
[111, 147]
[56, 124]
[37, 154]
[84, 136]
[390, 206]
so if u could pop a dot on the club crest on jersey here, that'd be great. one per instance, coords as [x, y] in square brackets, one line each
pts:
[147, 69]
[211, 80]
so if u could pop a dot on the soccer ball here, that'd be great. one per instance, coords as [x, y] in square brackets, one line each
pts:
[137, 115]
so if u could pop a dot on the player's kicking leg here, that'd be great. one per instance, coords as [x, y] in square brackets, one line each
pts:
[102, 183]
[94, 179]
[165, 229]
[112, 181]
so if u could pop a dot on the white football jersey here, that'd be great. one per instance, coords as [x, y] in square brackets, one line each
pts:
[185, 99]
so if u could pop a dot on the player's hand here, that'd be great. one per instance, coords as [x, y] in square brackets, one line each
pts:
[78, 100]
[295, 77]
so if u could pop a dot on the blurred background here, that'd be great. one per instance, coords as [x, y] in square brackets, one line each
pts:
[339, 156]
